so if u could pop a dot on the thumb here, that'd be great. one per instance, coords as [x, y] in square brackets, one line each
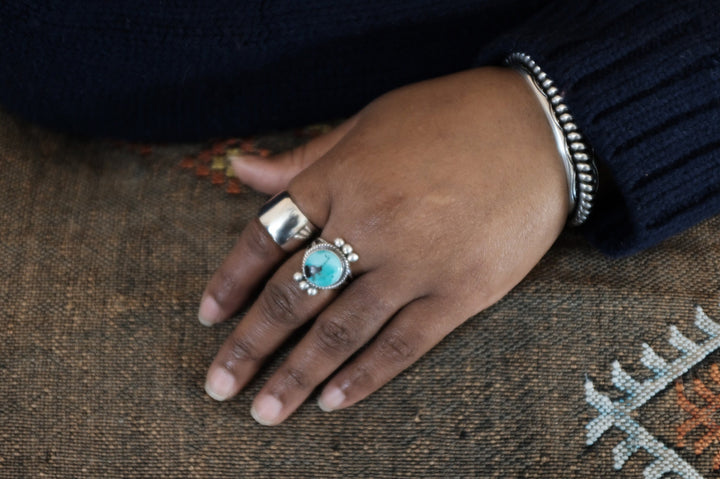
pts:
[273, 174]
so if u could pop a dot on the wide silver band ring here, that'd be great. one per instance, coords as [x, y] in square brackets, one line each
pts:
[285, 223]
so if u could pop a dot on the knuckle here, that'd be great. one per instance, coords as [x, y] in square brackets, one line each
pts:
[241, 350]
[296, 379]
[370, 301]
[334, 336]
[222, 287]
[396, 348]
[258, 242]
[361, 378]
[277, 304]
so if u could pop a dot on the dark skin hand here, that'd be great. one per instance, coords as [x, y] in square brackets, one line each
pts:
[450, 190]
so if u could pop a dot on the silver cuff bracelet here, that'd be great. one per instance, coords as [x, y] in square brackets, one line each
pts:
[577, 155]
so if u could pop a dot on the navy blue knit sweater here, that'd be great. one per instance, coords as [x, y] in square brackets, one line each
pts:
[642, 78]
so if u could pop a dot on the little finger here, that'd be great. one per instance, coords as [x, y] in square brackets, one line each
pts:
[414, 330]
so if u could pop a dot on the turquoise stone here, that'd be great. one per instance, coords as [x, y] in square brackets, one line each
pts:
[323, 268]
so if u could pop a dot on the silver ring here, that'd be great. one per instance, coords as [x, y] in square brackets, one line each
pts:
[325, 265]
[285, 223]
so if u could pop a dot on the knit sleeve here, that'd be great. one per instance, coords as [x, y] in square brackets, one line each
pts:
[642, 79]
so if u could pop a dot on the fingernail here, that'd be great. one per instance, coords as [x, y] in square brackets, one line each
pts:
[266, 409]
[331, 399]
[209, 312]
[220, 384]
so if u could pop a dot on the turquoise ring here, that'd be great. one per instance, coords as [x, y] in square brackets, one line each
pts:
[325, 265]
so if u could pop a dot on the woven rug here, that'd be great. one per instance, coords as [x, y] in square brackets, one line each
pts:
[591, 367]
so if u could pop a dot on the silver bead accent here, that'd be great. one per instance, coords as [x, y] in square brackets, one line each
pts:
[312, 291]
[585, 177]
[568, 127]
[574, 136]
[561, 108]
[582, 167]
[580, 156]
[547, 83]
[347, 249]
[578, 146]
[565, 117]
[339, 242]
[304, 285]
[552, 91]
[352, 257]
[298, 276]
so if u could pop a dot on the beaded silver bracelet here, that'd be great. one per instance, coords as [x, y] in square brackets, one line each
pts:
[577, 155]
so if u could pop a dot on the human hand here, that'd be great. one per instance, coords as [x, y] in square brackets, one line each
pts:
[450, 190]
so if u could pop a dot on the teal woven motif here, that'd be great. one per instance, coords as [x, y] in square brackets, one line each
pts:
[617, 413]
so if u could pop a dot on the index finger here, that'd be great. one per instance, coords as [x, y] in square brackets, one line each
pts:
[252, 259]
[282, 227]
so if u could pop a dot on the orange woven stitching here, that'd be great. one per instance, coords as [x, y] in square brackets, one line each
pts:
[700, 415]
[214, 163]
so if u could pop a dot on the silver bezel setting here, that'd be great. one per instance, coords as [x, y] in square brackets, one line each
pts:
[341, 249]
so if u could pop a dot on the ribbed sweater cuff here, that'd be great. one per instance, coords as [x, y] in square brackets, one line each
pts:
[642, 79]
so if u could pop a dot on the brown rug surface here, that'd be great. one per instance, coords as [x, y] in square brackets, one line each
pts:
[105, 249]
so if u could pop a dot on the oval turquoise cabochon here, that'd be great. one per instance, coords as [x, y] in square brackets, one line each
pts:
[323, 268]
